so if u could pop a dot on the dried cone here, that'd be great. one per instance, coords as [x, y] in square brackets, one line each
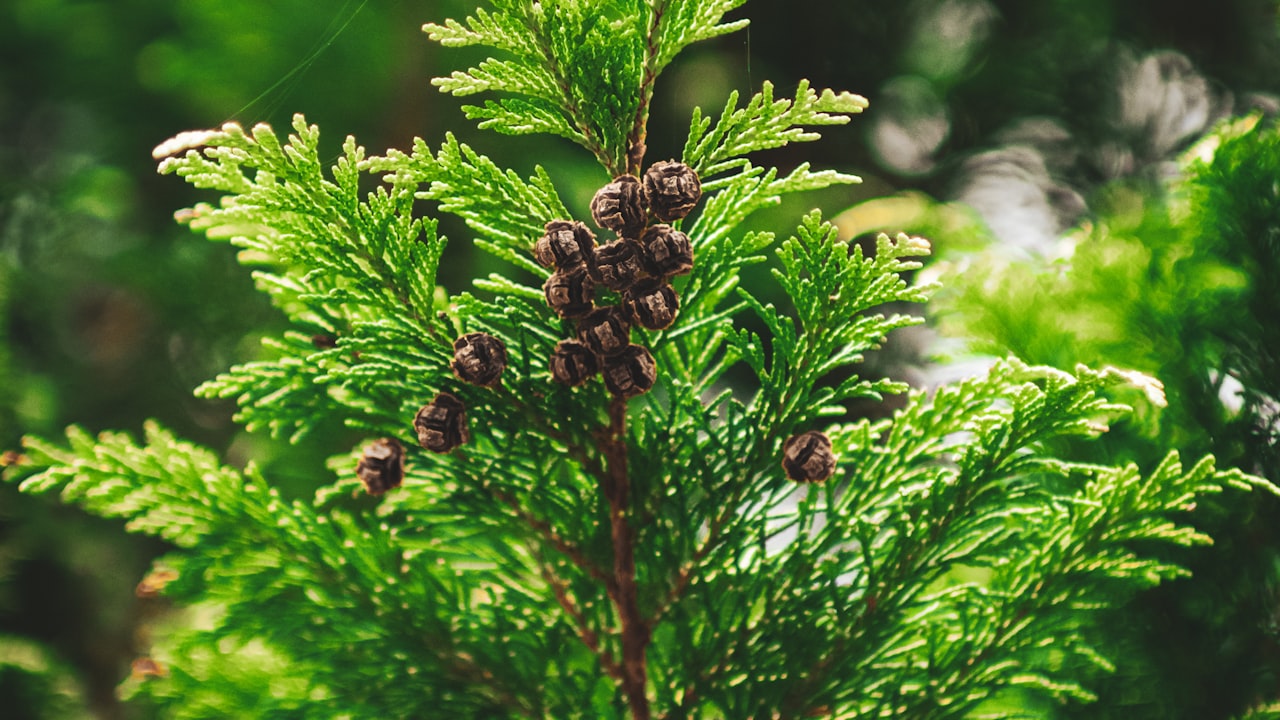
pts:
[442, 424]
[571, 295]
[618, 265]
[573, 363]
[147, 667]
[666, 251]
[619, 206]
[672, 189]
[807, 457]
[382, 466]
[630, 372]
[605, 331]
[652, 304]
[567, 245]
[479, 358]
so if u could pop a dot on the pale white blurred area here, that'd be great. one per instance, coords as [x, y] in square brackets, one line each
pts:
[909, 126]
[1015, 191]
[910, 121]
[1030, 185]
[1163, 102]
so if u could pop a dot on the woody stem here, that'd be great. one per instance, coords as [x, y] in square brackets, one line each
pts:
[616, 486]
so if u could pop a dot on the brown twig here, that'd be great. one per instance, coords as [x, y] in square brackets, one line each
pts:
[465, 668]
[685, 574]
[616, 487]
[542, 421]
[688, 699]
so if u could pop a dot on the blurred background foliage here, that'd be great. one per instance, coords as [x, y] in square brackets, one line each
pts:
[995, 127]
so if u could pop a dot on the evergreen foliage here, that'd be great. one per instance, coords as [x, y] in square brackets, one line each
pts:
[1201, 249]
[583, 71]
[1182, 286]
[589, 556]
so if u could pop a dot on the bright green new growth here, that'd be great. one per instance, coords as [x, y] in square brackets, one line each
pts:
[580, 70]
[950, 564]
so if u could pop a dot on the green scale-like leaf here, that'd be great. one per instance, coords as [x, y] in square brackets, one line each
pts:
[831, 285]
[266, 560]
[508, 212]
[360, 273]
[577, 69]
[763, 124]
[867, 608]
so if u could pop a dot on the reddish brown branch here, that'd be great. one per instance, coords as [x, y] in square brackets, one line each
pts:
[538, 418]
[589, 140]
[685, 574]
[616, 487]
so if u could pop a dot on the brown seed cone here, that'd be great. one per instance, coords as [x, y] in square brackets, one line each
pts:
[618, 265]
[573, 363]
[630, 372]
[619, 206]
[807, 457]
[665, 251]
[651, 304]
[442, 424]
[567, 245]
[382, 466]
[671, 189]
[479, 358]
[605, 330]
[571, 295]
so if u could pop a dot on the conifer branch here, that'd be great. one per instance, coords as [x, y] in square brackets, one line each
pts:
[573, 446]
[763, 124]
[548, 534]
[585, 633]
[175, 490]
[586, 133]
[463, 668]
[763, 559]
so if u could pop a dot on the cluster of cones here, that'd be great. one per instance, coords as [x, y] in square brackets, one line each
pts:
[637, 266]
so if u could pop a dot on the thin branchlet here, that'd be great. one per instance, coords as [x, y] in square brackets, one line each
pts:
[582, 123]
[588, 636]
[639, 127]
